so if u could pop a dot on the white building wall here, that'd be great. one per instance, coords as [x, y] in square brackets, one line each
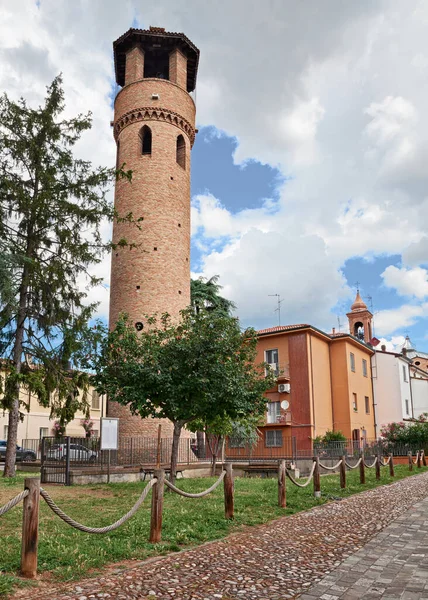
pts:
[33, 423]
[390, 389]
[406, 394]
[419, 396]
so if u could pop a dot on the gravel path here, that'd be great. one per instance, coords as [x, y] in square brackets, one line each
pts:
[279, 560]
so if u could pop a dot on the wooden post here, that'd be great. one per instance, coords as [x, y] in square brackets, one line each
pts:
[410, 461]
[362, 471]
[343, 473]
[377, 467]
[391, 465]
[157, 507]
[158, 454]
[282, 500]
[228, 491]
[419, 464]
[317, 478]
[30, 528]
[424, 460]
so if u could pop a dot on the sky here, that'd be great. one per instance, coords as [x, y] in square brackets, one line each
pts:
[309, 169]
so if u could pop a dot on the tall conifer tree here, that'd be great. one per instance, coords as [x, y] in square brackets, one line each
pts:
[52, 206]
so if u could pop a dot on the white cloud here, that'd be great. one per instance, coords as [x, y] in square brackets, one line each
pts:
[407, 282]
[391, 320]
[330, 93]
[393, 344]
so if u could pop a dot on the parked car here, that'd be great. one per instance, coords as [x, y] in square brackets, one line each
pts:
[22, 454]
[78, 453]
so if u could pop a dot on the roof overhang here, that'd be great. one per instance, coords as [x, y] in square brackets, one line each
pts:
[157, 38]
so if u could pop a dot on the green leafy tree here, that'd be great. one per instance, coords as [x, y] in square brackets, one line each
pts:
[244, 429]
[205, 293]
[200, 368]
[52, 206]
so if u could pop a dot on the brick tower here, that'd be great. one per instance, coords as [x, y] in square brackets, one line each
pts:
[154, 129]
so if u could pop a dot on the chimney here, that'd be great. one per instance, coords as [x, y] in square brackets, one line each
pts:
[333, 330]
[383, 348]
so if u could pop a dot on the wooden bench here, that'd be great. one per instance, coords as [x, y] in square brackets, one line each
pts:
[150, 470]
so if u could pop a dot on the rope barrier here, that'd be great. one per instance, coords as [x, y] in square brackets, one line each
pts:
[13, 502]
[370, 466]
[416, 459]
[106, 529]
[308, 481]
[355, 466]
[385, 464]
[200, 494]
[331, 468]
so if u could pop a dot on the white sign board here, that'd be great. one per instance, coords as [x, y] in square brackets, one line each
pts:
[109, 433]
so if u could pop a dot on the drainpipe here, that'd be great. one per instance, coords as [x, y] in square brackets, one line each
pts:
[331, 388]
[411, 392]
[312, 383]
[373, 394]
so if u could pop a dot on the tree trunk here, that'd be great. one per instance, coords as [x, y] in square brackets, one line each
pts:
[178, 426]
[12, 432]
[213, 464]
[200, 437]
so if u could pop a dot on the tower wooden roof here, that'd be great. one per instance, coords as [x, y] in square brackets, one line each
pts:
[155, 38]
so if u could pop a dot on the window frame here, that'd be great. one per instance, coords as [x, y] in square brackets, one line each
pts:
[272, 363]
[405, 377]
[407, 407]
[276, 433]
[367, 404]
[146, 139]
[97, 395]
[180, 151]
[352, 361]
[354, 402]
[40, 432]
[365, 368]
[277, 412]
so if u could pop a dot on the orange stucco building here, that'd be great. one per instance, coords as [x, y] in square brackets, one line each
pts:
[324, 383]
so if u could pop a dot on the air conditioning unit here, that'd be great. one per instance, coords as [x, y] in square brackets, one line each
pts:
[284, 388]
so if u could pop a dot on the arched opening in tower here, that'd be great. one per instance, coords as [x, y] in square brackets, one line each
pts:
[181, 151]
[146, 140]
[359, 330]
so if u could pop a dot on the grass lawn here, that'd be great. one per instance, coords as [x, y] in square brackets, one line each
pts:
[66, 554]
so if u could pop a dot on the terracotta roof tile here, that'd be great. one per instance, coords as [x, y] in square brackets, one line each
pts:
[280, 328]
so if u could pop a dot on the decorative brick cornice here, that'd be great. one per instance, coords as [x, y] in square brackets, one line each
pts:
[149, 113]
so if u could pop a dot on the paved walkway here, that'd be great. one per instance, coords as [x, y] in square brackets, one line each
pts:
[393, 565]
[284, 558]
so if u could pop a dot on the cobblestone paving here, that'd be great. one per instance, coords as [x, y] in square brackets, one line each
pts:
[393, 565]
[283, 558]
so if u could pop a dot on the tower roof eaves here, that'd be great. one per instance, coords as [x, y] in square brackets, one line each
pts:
[130, 37]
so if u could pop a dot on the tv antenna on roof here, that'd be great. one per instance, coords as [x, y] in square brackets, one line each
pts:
[278, 308]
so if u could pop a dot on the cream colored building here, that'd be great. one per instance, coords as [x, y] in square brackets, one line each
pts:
[36, 423]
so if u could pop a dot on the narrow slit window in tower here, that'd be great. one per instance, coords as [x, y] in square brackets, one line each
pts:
[146, 140]
[181, 151]
[117, 155]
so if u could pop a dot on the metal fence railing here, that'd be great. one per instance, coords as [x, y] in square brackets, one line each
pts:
[86, 452]
[143, 451]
